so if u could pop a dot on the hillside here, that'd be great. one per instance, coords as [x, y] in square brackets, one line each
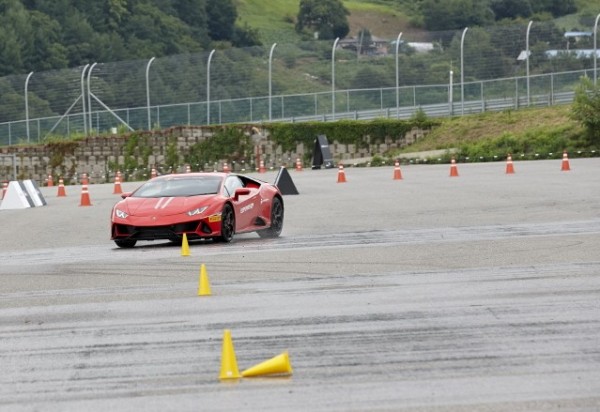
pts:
[275, 20]
[384, 18]
[455, 131]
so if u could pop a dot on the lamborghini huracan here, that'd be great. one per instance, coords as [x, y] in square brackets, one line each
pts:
[201, 205]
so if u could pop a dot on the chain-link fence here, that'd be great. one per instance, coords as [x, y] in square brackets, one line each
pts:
[440, 73]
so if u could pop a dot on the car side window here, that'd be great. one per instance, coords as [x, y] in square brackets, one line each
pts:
[231, 184]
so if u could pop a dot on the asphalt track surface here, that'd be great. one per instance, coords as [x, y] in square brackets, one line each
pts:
[431, 293]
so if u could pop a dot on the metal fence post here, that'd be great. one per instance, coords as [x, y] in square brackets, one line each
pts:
[527, 57]
[83, 99]
[208, 86]
[89, 96]
[462, 71]
[271, 81]
[27, 105]
[148, 93]
[397, 78]
[596, 49]
[333, 78]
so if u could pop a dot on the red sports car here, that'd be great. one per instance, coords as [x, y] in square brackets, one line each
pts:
[201, 205]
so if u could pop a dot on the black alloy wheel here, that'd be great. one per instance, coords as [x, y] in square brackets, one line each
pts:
[227, 224]
[276, 220]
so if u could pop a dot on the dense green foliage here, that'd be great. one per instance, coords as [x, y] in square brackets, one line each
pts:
[359, 133]
[37, 35]
[228, 142]
[327, 17]
[52, 34]
[456, 14]
[586, 108]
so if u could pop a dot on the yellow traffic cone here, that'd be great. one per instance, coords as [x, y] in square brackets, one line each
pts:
[229, 368]
[204, 286]
[279, 365]
[185, 247]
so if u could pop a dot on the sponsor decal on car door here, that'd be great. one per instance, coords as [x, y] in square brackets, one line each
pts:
[247, 209]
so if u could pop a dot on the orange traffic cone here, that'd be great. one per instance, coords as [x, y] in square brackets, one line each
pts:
[117, 188]
[226, 168]
[84, 179]
[85, 196]
[397, 171]
[153, 173]
[61, 188]
[509, 165]
[565, 163]
[341, 174]
[4, 189]
[453, 168]
[298, 165]
[261, 168]
[50, 181]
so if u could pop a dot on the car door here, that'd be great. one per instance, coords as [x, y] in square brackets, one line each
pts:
[246, 206]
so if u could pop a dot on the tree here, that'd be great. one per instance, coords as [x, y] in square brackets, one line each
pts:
[586, 108]
[221, 15]
[456, 14]
[556, 7]
[511, 9]
[327, 17]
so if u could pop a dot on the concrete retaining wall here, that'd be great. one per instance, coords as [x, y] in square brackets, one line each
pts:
[96, 156]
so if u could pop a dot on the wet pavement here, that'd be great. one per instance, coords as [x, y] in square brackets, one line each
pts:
[480, 292]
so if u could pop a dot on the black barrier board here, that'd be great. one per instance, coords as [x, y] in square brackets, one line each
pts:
[321, 154]
[284, 182]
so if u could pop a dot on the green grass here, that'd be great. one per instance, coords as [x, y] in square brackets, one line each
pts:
[528, 132]
[274, 19]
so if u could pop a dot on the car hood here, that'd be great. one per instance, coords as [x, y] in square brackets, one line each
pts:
[165, 206]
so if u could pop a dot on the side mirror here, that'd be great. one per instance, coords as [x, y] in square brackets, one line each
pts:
[241, 191]
[125, 194]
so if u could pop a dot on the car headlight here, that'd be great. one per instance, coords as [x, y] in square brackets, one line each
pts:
[121, 214]
[197, 211]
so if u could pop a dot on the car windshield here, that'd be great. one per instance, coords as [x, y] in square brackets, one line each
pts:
[179, 186]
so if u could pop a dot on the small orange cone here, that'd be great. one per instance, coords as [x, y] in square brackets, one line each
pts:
[84, 179]
[85, 196]
[565, 163]
[61, 188]
[509, 165]
[50, 181]
[4, 189]
[278, 365]
[262, 168]
[298, 165]
[229, 368]
[226, 168]
[117, 188]
[453, 168]
[397, 171]
[341, 174]
[153, 173]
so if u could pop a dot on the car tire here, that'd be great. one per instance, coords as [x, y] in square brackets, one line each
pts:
[125, 243]
[227, 224]
[276, 220]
